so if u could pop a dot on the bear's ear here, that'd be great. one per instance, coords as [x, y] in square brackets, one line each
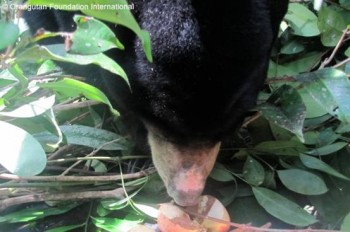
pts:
[278, 8]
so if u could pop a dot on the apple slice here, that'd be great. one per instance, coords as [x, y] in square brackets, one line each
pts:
[172, 219]
[209, 207]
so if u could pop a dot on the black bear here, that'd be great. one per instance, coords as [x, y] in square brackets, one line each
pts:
[210, 61]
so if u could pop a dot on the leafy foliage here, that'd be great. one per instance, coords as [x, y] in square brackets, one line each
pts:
[289, 165]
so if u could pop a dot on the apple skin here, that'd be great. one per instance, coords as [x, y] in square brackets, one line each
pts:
[210, 207]
[172, 218]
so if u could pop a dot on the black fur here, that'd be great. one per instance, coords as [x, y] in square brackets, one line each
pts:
[210, 61]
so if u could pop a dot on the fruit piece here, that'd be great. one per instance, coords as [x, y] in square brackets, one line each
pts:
[172, 219]
[141, 228]
[210, 207]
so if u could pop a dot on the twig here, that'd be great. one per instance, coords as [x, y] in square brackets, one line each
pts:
[116, 193]
[89, 155]
[341, 63]
[78, 118]
[54, 75]
[75, 105]
[76, 170]
[280, 79]
[42, 185]
[251, 119]
[104, 158]
[79, 178]
[60, 151]
[329, 59]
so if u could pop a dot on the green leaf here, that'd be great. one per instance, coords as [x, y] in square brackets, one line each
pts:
[97, 165]
[280, 133]
[114, 224]
[344, 3]
[147, 210]
[101, 211]
[330, 88]
[73, 88]
[120, 15]
[302, 20]
[292, 47]
[334, 205]
[220, 173]
[282, 208]
[327, 137]
[331, 24]
[20, 152]
[17, 73]
[312, 122]
[246, 210]
[345, 226]
[253, 172]
[304, 62]
[32, 109]
[313, 109]
[54, 128]
[343, 128]
[314, 163]
[290, 148]
[278, 70]
[347, 52]
[46, 67]
[92, 37]
[65, 228]
[31, 214]
[311, 137]
[270, 180]
[9, 33]
[227, 194]
[57, 52]
[328, 149]
[302, 182]
[5, 85]
[86, 136]
[286, 109]
[114, 204]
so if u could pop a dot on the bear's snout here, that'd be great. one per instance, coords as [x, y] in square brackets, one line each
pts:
[183, 169]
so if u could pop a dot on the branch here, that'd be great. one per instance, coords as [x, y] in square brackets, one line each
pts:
[279, 79]
[89, 155]
[340, 42]
[79, 178]
[116, 193]
[342, 63]
[75, 105]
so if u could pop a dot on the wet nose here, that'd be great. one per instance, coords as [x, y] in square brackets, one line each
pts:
[188, 186]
